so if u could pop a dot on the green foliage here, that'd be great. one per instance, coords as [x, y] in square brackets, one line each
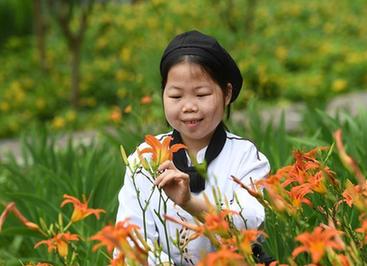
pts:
[15, 19]
[317, 129]
[303, 50]
[46, 171]
[38, 182]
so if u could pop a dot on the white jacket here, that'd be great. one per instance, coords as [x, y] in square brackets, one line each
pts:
[238, 157]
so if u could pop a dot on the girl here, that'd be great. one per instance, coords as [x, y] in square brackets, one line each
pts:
[199, 81]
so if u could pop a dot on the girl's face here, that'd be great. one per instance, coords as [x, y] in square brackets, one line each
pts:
[193, 104]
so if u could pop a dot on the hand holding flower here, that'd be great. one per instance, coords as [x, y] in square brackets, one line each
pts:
[176, 184]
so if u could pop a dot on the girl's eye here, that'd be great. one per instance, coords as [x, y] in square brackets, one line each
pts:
[203, 95]
[175, 96]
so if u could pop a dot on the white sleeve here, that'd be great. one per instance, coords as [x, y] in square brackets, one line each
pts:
[129, 208]
[253, 166]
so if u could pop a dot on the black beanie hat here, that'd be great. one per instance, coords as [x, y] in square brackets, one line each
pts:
[197, 43]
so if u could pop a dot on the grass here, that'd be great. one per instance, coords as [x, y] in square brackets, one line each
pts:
[47, 171]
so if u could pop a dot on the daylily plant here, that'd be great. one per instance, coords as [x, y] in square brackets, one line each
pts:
[290, 195]
[58, 236]
[120, 237]
[81, 209]
[160, 151]
[318, 242]
[59, 242]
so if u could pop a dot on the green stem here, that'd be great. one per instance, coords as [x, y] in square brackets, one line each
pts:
[67, 226]
[143, 208]
[165, 230]
[163, 222]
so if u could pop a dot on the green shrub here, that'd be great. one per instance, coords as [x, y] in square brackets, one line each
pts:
[37, 181]
[304, 50]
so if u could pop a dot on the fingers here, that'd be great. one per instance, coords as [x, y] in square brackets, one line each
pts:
[166, 165]
[168, 177]
[169, 173]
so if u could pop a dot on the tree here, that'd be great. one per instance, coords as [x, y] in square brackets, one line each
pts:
[40, 28]
[228, 8]
[136, 1]
[250, 16]
[65, 11]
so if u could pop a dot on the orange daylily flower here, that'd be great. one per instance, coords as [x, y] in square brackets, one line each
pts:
[213, 223]
[81, 209]
[222, 257]
[355, 194]
[363, 230]
[111, 235]
[347, 196]
[198, 229]
[279, 203]
[39, 264]
[128, 109]
[116, 114]
[348, 161]
[230, 242]
[272, 180]
[161, 151]
[146, 100]
[119, 260]
[276, 263]
[318, 241]
[307, 169]
[297, 195]
[343, 260]
[218, 222]
[290, 185]
[59, 242]
[277, 193]
[280, 198]
[317, 183]
[247, 238]
[126, 238]
[11, 207]
[253, 191]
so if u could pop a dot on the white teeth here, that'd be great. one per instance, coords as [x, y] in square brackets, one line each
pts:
[192, 122]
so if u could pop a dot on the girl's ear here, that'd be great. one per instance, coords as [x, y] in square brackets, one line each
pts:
[228, 94]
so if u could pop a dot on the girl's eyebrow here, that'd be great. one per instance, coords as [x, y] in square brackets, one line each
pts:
[202, 87]
[179, 88]
[174, 87]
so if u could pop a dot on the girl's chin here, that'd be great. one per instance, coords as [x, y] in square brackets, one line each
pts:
[197, 136]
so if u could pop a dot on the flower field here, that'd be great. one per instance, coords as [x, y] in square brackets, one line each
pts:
[286, 50]
[64, 199]
[58, 203]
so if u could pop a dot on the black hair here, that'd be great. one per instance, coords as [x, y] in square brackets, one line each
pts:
[210, 66]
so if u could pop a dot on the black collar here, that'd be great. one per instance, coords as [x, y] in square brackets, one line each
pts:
[197, 182]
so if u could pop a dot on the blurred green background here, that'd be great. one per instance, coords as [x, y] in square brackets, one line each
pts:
[68, 74]
[70, 66]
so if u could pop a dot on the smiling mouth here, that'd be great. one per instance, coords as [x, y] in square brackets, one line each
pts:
[192, 122]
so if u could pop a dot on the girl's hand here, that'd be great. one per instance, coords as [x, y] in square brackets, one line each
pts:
[176, 184]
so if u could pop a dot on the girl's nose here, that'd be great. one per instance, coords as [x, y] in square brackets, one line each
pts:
[189, 107]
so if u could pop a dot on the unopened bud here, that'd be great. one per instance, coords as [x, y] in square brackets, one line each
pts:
[32, 226]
